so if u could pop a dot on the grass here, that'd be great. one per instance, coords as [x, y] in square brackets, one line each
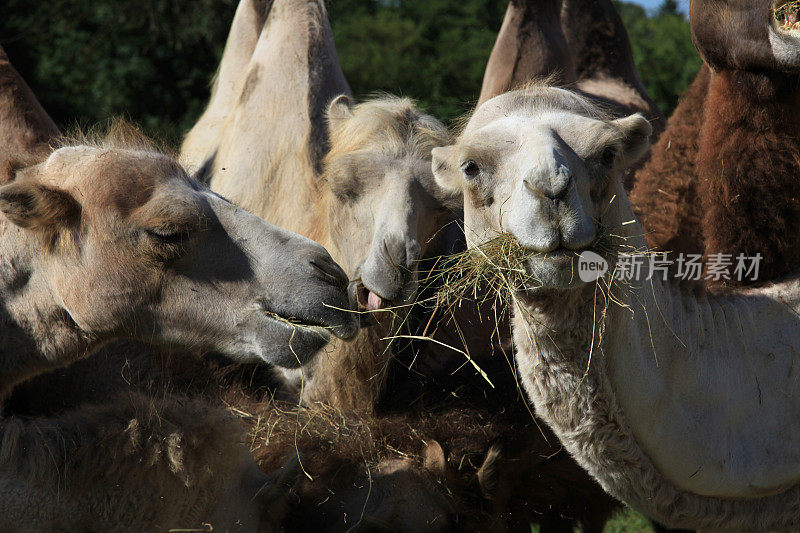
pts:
[625, 521]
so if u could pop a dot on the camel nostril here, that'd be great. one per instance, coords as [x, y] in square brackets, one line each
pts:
[329, 271]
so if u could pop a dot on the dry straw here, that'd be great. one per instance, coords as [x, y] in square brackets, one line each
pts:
[781, 12]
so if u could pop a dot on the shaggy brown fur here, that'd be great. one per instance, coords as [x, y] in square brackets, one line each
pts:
[665, 193]
[723, 177]
[747, 167]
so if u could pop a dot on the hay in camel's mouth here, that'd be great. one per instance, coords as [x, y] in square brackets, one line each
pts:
[500, 264]
[787, 16]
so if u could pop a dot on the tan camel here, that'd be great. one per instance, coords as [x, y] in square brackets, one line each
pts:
[379, 212]
[580, 44]
[102, 241]
[200, 143]
[268, 152]
[369, 200]
[144, 253]
[25, 128]
[678, 403]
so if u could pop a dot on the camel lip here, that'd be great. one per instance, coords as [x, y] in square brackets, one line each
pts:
[307, 326]
[370, 303]
[556, 254]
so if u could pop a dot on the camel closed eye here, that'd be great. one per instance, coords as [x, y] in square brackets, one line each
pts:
[168, 236]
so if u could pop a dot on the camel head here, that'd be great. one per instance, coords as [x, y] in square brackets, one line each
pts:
[747, 34]
[541, 164]
[384, 205]
[125, 244]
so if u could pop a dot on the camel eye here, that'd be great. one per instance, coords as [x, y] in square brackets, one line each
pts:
[470, 168]
[167, 237]
[608, 156]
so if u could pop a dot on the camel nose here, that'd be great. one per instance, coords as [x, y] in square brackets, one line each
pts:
[550, 178]
[328, 270]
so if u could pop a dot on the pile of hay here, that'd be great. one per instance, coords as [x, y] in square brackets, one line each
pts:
[782, 12]
[497, 267]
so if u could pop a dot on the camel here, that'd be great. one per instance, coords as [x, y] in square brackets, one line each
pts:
[734, 122]
[165, 464]
[351, 377]
[290, 77]
[677, 401]
[580, 44]
[111, 239]
[355, 178]
[25, 128]
[198, 146]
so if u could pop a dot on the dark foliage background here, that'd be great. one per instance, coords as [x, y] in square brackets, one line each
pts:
[152, 60]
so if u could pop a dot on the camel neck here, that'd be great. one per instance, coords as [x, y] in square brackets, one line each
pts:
[664, 395]
[746, 163]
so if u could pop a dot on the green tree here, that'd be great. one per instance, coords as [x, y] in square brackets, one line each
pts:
[665, 57]
[153, 60]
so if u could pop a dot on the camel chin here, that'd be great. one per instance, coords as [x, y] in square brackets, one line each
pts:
[557, 269]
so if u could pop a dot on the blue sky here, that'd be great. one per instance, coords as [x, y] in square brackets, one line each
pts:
[653, 4]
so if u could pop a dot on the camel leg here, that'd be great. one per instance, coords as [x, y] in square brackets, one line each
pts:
[530, 45]
[603, 59]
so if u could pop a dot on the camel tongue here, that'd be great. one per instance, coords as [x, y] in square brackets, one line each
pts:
[374, 302]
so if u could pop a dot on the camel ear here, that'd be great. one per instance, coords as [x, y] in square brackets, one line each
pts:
[340, 108]
[446, 172]
[31, 205]
[637, 131]
[489, 471]
[433, 458]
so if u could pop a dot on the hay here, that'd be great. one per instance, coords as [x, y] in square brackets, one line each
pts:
[497, 267]
[784, 9]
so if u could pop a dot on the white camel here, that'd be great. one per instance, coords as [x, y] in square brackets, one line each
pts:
[681, 403]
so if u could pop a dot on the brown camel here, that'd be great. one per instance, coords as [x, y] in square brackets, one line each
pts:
[722, 177]
[580, 44]
[106, 240]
